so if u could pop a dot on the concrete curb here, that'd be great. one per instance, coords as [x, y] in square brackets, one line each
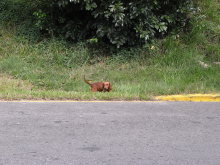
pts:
[70, 101]
[191, 97]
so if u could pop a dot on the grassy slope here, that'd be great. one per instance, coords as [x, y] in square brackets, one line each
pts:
[54, 70]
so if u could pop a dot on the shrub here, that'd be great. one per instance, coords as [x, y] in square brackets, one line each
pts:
[118, 22]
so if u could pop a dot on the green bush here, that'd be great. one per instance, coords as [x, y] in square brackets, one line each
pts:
[121, 22]
[19, 14]
[117, 22]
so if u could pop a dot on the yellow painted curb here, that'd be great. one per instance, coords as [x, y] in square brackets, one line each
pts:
[191, 97]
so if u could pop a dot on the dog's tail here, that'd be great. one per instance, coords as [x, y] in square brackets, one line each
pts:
[87, 81]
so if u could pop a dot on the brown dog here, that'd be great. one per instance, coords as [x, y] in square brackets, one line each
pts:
[99, 86]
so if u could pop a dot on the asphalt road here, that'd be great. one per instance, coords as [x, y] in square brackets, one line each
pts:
[118, 133]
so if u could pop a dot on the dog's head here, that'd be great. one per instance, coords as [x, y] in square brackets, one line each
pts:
[107, 86]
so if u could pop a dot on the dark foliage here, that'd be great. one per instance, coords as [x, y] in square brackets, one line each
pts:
[116, 22]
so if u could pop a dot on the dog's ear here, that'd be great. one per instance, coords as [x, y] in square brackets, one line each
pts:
[110, 87]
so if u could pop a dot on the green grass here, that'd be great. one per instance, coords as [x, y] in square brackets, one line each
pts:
[54, 69]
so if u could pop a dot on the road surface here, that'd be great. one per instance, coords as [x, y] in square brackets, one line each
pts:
[109, 133]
